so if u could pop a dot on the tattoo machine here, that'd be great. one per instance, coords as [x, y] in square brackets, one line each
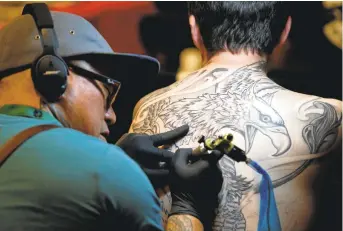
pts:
[269, 216]
[224, 145]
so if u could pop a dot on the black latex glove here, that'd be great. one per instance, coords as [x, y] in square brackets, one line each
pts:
[144, 149]
[195, 187]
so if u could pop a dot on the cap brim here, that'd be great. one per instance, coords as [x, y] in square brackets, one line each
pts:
[123, 67]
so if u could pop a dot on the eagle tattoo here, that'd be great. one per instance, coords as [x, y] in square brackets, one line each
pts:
[242, 104]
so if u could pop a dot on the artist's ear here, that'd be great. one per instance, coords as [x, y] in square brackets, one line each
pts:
[196, 36]
[286, 30]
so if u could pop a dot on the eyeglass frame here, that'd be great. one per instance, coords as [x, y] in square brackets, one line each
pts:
[102, 78]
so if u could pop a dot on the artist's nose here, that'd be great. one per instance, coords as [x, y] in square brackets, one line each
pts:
[110, 117]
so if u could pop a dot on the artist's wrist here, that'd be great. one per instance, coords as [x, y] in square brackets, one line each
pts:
[182, 208]
[202, 213]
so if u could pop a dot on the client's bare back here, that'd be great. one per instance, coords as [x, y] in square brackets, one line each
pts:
[273, 125]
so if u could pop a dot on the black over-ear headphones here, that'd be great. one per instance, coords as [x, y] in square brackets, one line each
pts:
[49, 71]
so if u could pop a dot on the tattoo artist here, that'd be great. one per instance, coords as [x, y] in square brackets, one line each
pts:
[56, 171]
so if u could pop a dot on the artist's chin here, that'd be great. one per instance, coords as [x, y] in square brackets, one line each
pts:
[101, 137]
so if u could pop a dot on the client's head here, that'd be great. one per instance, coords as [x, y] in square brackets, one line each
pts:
[238, 27]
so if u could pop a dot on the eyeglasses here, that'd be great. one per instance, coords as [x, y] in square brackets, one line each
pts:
[111, 85]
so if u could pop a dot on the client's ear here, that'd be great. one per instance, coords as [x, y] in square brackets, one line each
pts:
[195, 32]
[286, 30]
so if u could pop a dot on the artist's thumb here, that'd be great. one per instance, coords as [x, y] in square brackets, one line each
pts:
[180, 158]
[188, 171]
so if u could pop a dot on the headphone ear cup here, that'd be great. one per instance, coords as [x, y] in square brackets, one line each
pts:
[49, 75]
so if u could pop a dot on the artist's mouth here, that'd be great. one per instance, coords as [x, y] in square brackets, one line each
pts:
[104, 135]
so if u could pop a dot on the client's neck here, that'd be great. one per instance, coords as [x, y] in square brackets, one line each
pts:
[238, 60]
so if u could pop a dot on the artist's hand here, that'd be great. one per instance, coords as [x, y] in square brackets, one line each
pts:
[195, 187]
[144, 149]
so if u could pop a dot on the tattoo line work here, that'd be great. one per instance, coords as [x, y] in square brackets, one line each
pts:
[241, 103]
[179, 223]
[319, 134]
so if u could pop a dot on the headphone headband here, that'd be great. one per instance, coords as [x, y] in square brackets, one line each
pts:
[43, 19]
[49, 71]
[40, 13]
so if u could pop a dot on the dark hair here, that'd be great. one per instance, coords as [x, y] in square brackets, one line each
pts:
[236, 26]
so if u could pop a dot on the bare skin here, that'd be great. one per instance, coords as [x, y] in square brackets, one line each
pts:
[273, 125]
[280, 129]
[183, 223]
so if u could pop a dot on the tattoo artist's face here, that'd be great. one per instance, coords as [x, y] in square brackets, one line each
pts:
[83, 106]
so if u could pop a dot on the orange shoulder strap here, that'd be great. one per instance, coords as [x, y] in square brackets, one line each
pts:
[13, 143]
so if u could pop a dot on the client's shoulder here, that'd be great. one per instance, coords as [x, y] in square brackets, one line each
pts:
[165, 92]
[148, 97]
[313, 119]
[297, 102]
[152, 97]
